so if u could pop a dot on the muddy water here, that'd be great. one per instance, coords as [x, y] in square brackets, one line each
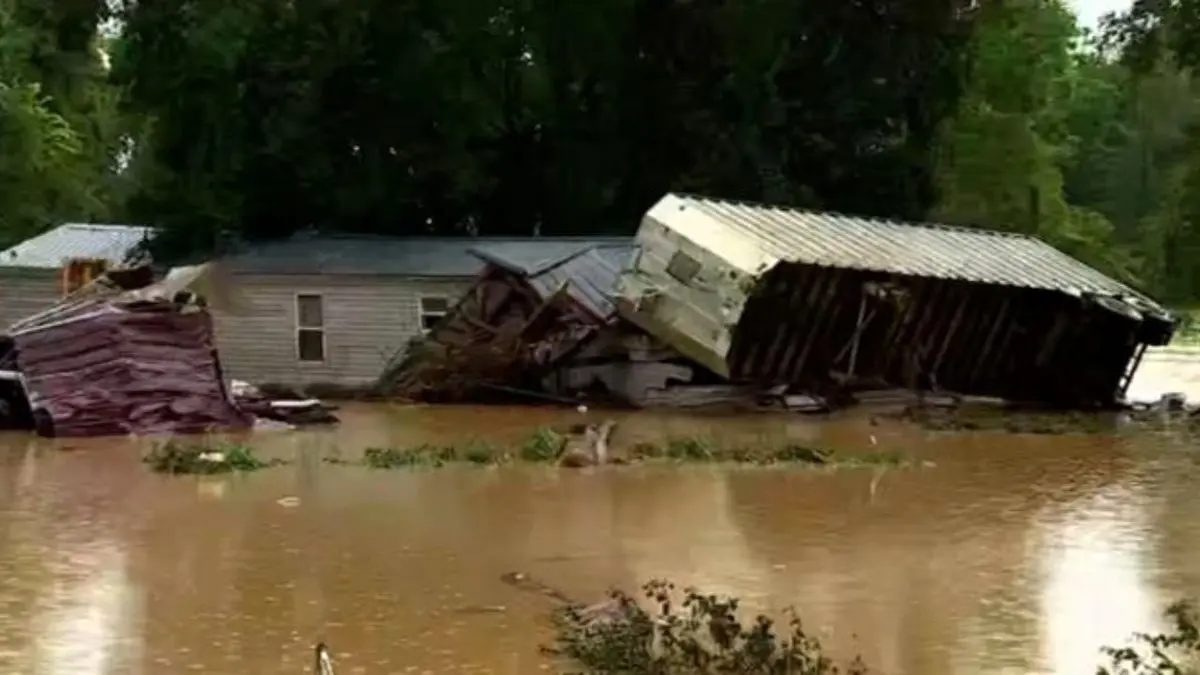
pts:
[1014, 554]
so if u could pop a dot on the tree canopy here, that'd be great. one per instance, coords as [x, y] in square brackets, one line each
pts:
[218, 120]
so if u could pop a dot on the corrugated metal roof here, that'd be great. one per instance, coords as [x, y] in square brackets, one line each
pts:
[51, 249]
[926, 250]
[591, 277]
[413, 257]
[532, 257]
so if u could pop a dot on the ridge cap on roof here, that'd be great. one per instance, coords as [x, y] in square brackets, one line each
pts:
[101, 226]
[521, 239]
[482, 253]
[928, 225]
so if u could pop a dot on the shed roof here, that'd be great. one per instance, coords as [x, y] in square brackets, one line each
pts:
[51, 249]
[452, 257]
[770, 233]
[590, 271]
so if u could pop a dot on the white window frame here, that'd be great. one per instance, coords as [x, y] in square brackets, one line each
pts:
[298, 327]
[421, 313]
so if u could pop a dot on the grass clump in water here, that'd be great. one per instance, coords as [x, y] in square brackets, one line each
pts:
[544, 445]
[432, 456]
[703, 634]
[692, 449]
[174, 457]
[548, 446]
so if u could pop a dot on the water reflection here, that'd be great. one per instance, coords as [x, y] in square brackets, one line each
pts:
[1095, 591]
[1016, 554]
[85, 623]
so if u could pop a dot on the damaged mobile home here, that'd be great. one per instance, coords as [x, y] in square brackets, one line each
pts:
[783, 296]
[717, 301]
[533, 322]
[540, 322]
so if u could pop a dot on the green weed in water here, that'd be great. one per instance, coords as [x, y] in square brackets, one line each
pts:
[544, 445]
[690, 449]
[174, 457]
[474, 452]
[702, 634]
[418, 456]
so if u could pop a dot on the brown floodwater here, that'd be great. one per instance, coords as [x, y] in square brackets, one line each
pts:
[1014, 554]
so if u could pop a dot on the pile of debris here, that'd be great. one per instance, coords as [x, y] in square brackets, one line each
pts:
[122, 355]
[545, 327]
[719, 302]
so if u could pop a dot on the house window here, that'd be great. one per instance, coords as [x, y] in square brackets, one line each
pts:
[80, 272]
[310, 327]
[432, 308]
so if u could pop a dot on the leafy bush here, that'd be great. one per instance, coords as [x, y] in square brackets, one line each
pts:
[1175, 652]
[702, 635]
[544, 445]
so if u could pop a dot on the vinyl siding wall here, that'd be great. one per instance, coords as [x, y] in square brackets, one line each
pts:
[26, 291]
[367, 320]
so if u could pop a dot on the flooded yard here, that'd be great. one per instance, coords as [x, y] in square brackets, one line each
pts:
[1013, 554]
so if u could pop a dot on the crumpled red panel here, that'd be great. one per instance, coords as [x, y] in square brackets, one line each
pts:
[117, 369]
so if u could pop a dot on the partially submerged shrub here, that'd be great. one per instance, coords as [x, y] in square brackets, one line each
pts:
[544, 445]
[175, 457]
[1176, 652]
[701, 635]
[704, 635]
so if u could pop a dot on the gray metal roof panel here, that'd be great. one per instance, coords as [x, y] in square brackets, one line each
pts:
[414, 256]
[534, 256]
[940, 251]
[591, 277]
[52, 248]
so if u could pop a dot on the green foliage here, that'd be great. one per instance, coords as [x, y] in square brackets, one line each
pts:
[235, 120]
[693, 449]
[60, 127]
[703, 634]
[511, 118]
[419, 456]
[176, 457]
[544, 445]
[1174, 652]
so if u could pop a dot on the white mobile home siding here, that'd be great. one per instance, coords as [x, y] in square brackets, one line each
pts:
[26, 291]
[367, 320]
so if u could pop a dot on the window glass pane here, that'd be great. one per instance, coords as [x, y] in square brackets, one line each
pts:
[428, 321]
[683, 267]
[310, 344]
[435, 305]
[309, 311]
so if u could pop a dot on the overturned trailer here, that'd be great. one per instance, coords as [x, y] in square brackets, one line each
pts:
[778, 296]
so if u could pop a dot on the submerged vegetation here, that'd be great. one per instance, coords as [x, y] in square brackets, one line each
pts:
[542, 446]
[703, 634]
[176, 457]
[547, 446]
